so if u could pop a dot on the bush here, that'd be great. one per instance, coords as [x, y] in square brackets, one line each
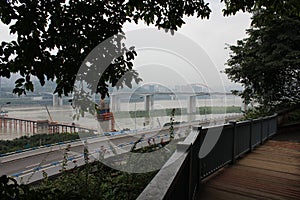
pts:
[26, 142]
[93, 181]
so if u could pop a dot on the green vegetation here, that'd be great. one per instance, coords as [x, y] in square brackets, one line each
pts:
[91, 181]
[171, 128]
[277, 7]
[95, 181]
[54, 25]
[27, 101]
[294, 115]
[267, 62]
[178, 111]
[219, 110]
[25, 142]
[263, 64]
[42, 28]
[254, 114]
[150, 148]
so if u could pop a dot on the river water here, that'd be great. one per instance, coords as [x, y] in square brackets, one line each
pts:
[64, 114]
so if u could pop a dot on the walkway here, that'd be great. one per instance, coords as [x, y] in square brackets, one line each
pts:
[271, 171]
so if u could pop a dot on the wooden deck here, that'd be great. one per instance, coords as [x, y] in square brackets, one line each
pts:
[271, 171]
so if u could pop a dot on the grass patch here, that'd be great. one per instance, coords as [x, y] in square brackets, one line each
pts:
[178, 111]
[26, 142]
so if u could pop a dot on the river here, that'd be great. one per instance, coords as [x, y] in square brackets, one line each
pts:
[64, 114]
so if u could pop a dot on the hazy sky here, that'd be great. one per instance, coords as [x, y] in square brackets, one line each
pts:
[209, 38]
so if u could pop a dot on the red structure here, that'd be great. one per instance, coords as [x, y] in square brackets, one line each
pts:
[104, 116]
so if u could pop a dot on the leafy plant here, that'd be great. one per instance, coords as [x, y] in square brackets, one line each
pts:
[72, 29]
[171, 129]
[267, 62]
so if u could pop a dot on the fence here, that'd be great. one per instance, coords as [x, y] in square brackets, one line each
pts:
[181, 176]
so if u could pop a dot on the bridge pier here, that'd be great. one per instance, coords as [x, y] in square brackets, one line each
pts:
[56, 100]
[191, 105]
[115, 103]
[149, 102]
[191, 108]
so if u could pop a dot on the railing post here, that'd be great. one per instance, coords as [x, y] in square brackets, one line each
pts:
[268, 128]
[275, 124]
[250, 137]
[233, 142]
[184, 147]
[192, 148]
[261, 130]
[191, 167]
[201, 137]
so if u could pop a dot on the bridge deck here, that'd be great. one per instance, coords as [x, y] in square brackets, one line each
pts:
[271, 171]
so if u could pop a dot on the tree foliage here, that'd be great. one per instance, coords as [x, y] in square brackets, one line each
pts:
[267, 63]
[55, 36]
[277, 7]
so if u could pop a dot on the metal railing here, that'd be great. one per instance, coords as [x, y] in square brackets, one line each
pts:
[181, 176]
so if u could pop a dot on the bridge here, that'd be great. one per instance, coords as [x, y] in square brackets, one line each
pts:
[148, 97]
[31, 127]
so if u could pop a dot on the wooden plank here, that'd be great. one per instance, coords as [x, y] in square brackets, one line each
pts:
[270, 166]
[283, 153]
[288, 146]
[246, 191]
[284, 144]
[289, 177]
[271, 172]
[273, 157]
[279, 150]
[282, 148]
[259, 177]
[263, 184]
[210, 193]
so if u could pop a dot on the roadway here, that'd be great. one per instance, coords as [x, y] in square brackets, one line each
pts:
[28, 166]
[23, 166]
[28, 161]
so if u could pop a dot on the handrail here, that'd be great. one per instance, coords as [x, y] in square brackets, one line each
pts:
[181, 176]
